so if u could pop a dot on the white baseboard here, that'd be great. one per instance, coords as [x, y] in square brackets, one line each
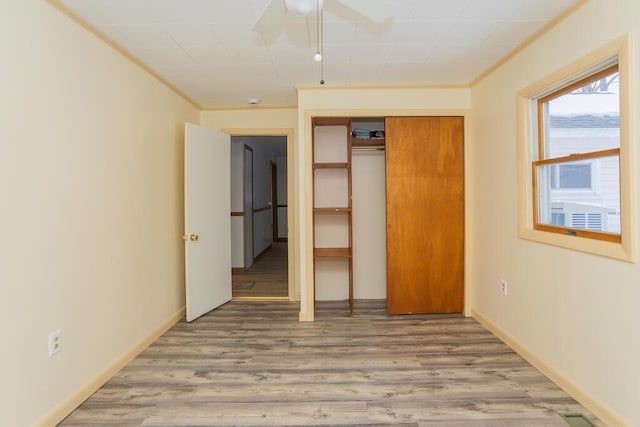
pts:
[64, 408]
[595, 406]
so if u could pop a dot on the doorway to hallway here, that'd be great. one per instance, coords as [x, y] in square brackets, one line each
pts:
[259, 217]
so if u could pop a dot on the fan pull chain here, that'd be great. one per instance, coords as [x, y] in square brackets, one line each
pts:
[321, 42]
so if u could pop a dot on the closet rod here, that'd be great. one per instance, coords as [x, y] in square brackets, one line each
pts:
[367, 148]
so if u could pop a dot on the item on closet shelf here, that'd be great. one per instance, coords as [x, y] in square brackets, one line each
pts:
[377, 134]
[361, 133]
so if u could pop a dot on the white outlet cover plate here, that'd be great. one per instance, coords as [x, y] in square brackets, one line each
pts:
[55, 342]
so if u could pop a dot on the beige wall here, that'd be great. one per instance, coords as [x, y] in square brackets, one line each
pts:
[91, 153]
[250, 118]
[573, 312]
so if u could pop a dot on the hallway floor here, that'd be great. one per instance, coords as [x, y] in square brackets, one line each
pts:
[268, 275]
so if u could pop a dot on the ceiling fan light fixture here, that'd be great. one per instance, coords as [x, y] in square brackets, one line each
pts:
[303, 7]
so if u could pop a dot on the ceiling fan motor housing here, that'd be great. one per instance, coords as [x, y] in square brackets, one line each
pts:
[303, 7]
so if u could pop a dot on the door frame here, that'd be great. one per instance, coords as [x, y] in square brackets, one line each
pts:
[292, 241]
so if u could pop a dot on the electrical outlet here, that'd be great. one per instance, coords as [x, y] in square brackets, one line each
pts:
[503, 287]
[55, 342]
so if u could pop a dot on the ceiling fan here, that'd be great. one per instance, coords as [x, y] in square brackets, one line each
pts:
[274, 13]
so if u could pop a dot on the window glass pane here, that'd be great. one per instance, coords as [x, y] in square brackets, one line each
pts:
[584, 120]
[557, 219]
[574, 176]
[580, 194]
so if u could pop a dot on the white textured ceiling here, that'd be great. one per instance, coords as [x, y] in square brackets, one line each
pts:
[207, 49]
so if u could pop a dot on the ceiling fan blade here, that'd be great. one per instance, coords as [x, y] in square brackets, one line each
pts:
[271, 17]
[375, 10]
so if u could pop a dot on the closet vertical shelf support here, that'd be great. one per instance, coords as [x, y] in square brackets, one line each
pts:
[332, 153]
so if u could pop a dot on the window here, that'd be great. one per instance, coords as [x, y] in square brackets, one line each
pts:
[576, 176]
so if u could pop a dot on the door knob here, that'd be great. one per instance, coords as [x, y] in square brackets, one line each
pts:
[194, 237]
[185, 237]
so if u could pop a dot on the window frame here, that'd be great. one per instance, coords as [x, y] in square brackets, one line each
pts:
[543, 159]
[616, 51]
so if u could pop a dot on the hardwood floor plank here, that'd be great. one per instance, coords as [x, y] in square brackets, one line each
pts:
[465, 412]
[253, 363]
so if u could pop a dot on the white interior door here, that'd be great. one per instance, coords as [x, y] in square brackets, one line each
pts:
[207, 220]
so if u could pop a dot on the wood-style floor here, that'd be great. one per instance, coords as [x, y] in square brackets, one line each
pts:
[254, 363]
[268, 274]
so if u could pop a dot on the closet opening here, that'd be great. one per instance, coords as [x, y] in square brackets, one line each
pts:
[388, 213]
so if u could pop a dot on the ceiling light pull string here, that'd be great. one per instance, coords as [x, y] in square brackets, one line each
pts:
[321, 29]
[321, 42]
[318, 56]
[318, 28]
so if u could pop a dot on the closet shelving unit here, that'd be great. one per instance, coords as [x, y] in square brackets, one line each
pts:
[332, 144]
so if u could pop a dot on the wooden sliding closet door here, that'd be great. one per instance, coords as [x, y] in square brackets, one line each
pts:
[425, 214]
